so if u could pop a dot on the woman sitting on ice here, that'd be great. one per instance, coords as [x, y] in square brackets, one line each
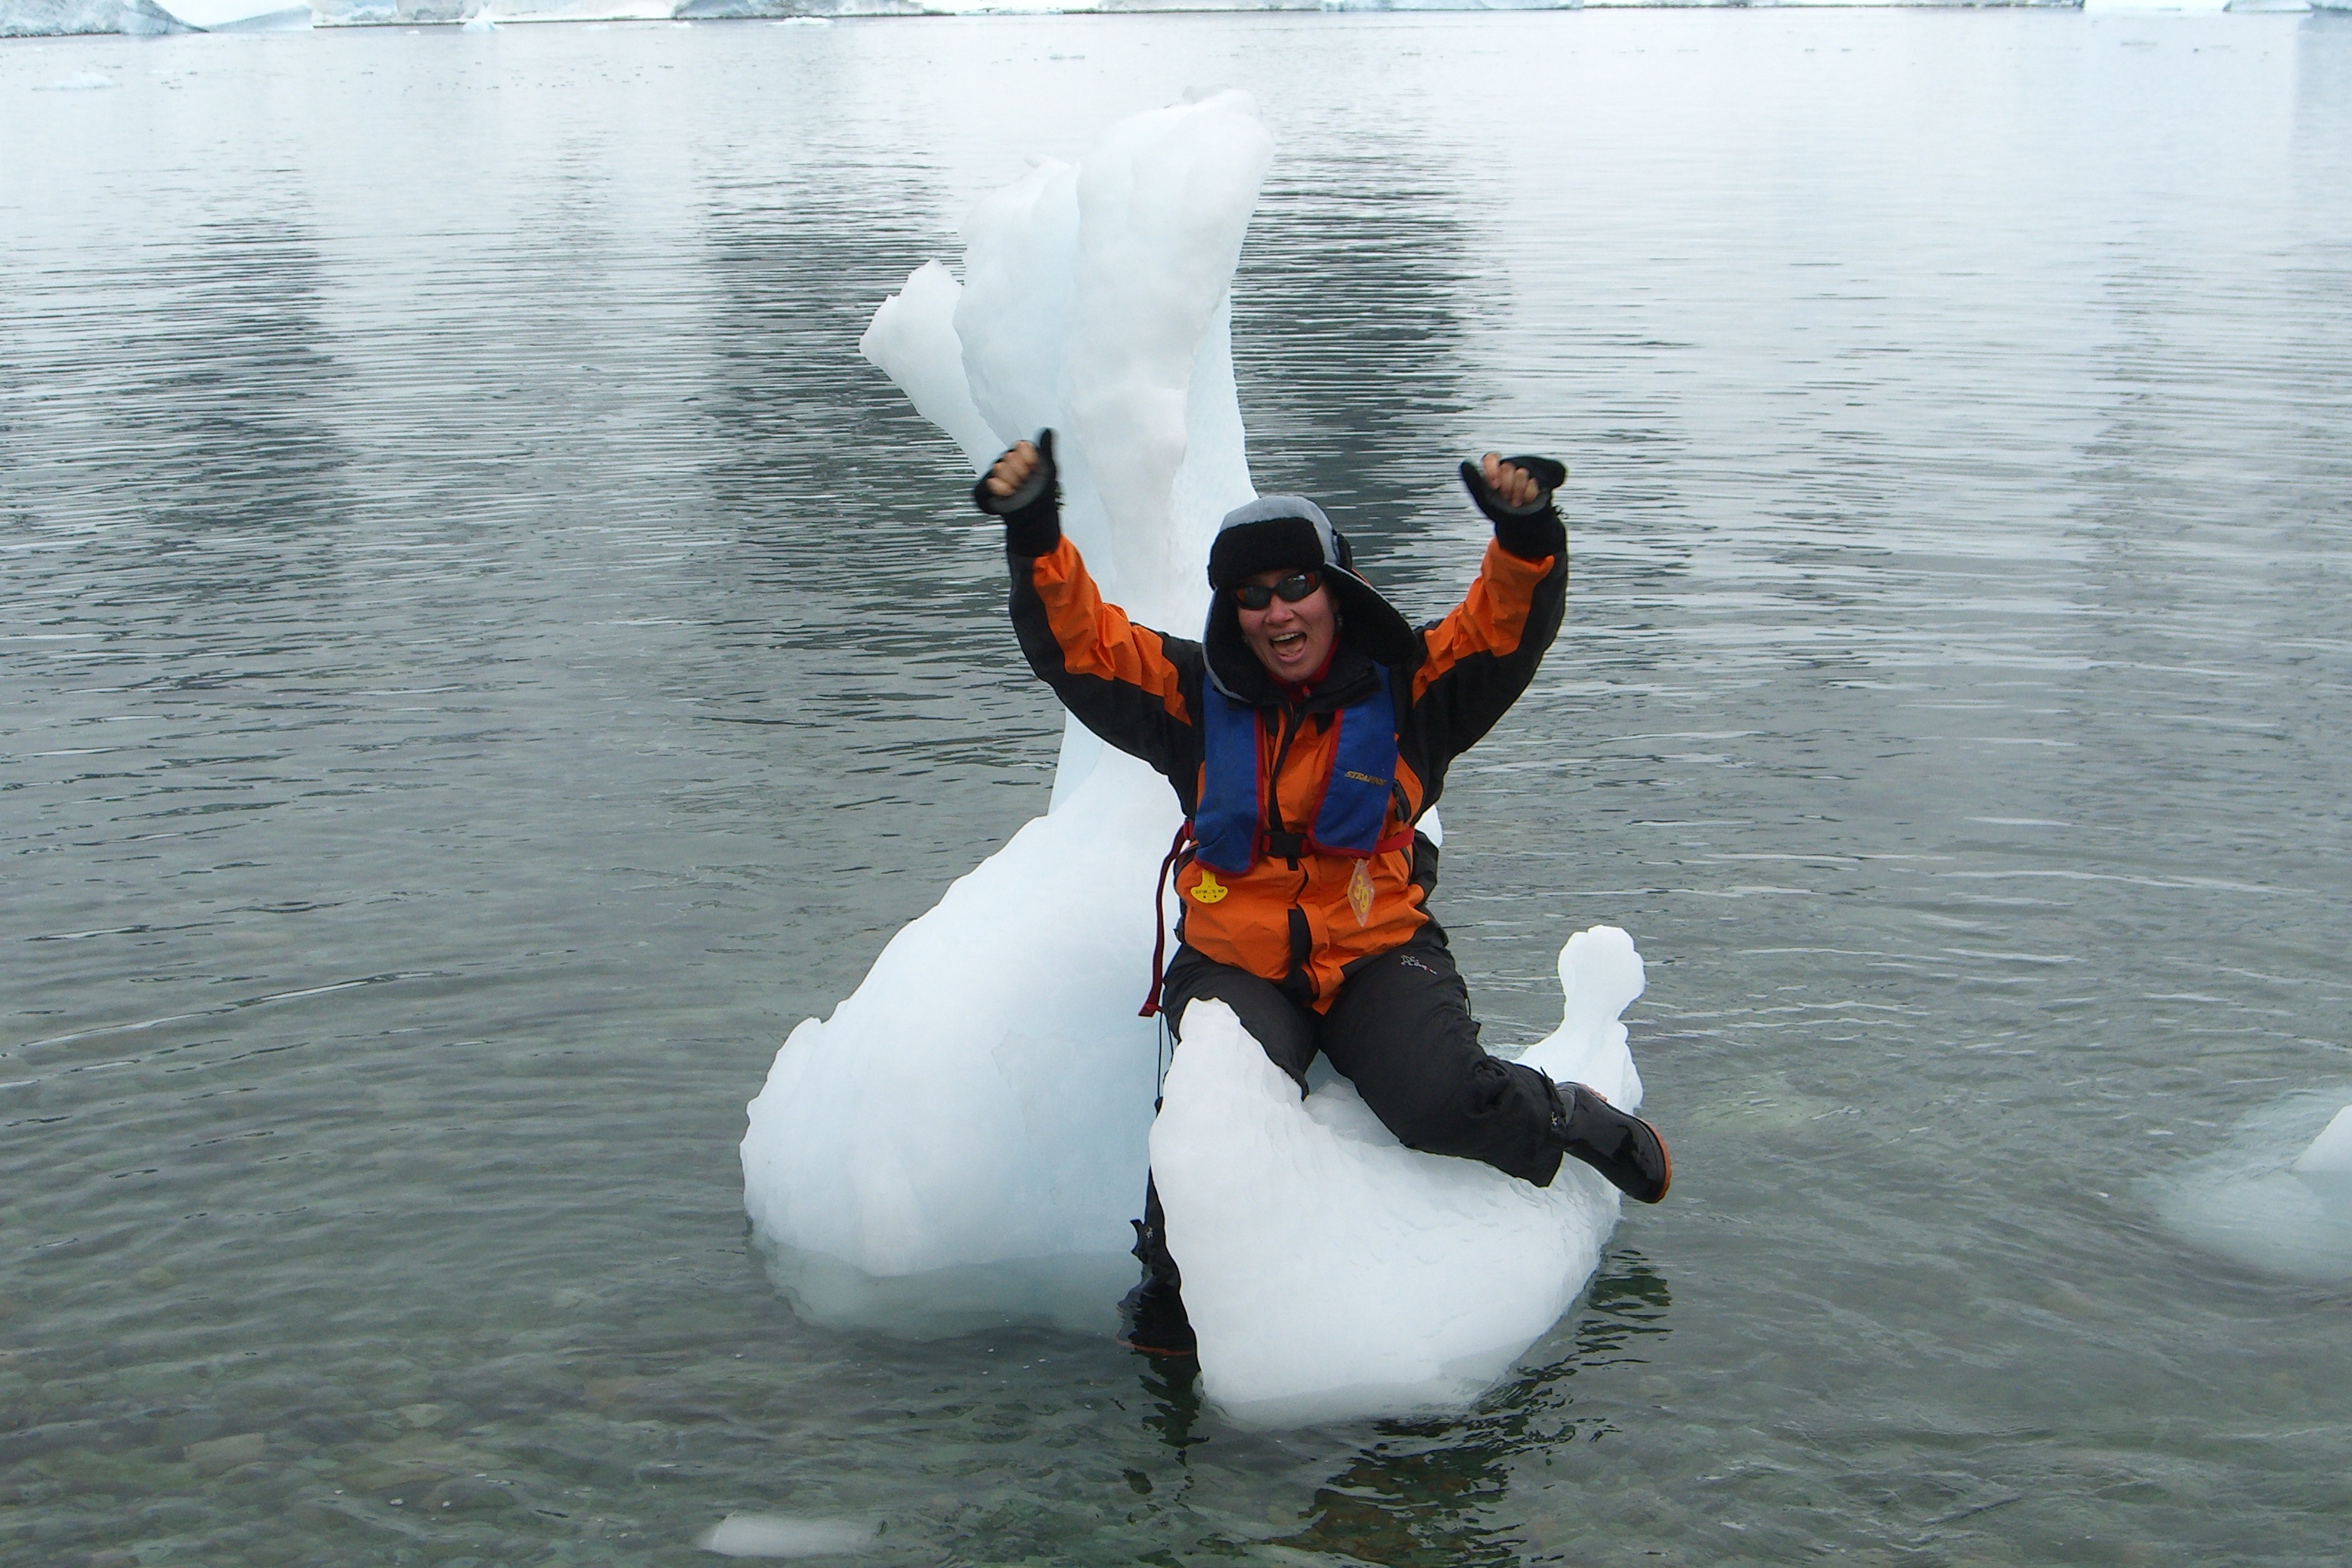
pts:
[1305, 734]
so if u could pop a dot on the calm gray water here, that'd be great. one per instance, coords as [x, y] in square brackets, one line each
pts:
[481, 657]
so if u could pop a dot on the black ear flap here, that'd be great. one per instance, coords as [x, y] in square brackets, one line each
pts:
[1347, 552]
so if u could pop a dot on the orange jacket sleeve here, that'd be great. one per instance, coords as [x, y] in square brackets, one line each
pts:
[1131, 685]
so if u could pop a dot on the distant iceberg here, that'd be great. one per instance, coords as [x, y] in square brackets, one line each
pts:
[240, 15]
[63, 18]
[38, 18]
[143, 18]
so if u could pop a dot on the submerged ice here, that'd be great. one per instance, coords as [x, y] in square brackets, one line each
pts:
[2330, 1154]
[964, 1141]
[2276, 1199]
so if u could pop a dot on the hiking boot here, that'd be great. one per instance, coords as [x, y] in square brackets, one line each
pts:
[1152, 1317]
[1622, 1147]
[1152, 1320]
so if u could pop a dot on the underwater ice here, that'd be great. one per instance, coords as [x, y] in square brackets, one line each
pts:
[963, 1141]
[782, 1535]
[2330, 1153]
[2271, 1200]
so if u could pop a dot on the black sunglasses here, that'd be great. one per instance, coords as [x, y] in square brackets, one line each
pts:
[1290, 590]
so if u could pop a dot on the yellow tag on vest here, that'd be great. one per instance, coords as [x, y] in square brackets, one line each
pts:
[1208, 891]
[1359, 892]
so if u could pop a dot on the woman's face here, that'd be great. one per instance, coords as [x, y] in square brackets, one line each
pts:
[1291, 639]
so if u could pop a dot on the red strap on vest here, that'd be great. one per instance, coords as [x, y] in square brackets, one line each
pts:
[1150, 1008]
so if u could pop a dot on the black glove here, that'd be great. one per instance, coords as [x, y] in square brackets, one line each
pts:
[1531, 532]
[1032, 514]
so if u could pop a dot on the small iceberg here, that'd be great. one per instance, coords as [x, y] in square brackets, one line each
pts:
[2277, 1199]
[964, 1141]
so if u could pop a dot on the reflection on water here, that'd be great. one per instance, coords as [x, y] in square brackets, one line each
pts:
[219, 418]
[1436, 1491]
[1348, 326]
[1422, 1491]
[482, 656]
[1173, 1388]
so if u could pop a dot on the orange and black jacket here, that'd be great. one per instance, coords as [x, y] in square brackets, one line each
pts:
[1290, 918]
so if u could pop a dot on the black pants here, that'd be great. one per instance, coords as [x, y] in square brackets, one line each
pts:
[1401, 1031]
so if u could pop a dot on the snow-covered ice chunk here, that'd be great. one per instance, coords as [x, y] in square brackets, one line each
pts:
[1329, 1272]
[2275, 1199]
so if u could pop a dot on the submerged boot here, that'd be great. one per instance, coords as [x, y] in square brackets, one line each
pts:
[1151, 1316]
[1622, 1147]
[1152, 1320]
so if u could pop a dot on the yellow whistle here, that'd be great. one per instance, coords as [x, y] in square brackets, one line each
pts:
[1208, 890]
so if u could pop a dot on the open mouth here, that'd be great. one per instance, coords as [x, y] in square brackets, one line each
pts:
[1287, 644]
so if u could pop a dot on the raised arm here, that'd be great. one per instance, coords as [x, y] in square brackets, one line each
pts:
[1479, 658]
[1128, 684]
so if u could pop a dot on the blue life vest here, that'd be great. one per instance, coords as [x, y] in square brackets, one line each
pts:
[1354, 806]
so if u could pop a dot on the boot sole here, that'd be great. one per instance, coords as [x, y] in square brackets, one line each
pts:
[1666, 1184]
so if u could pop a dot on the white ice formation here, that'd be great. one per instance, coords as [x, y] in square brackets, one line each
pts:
[2271, 1201]
[240, 15]
[963, 1141]
[56, 18]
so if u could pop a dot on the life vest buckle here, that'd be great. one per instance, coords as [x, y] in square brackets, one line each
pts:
[1290, 847]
